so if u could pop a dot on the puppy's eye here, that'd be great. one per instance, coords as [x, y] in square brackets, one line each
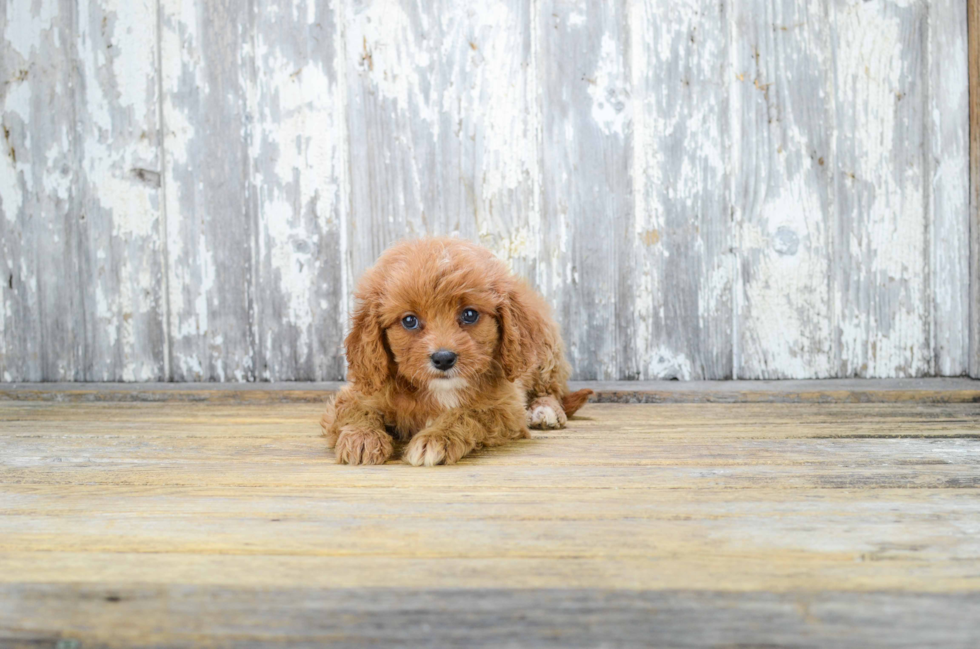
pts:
[469, 316]
[410, 322]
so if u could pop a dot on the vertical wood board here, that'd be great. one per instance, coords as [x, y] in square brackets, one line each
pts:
[119, 223]
[43, 319]
[948, 184]
[296, 141]
[974, 228]
[882, 250]
[783, 155]
[683, 267]
[207, 72]
[441, 132]
[587, 231]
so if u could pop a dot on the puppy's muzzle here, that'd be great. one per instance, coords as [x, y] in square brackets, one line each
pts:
[443, 360]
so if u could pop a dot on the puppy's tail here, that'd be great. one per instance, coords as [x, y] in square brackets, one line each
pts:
[575, 400]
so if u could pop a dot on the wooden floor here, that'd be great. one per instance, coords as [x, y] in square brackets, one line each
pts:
[681, 525]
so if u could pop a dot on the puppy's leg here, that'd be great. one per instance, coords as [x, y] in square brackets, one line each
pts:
[355, 431]
[545, 412]
[458, 431]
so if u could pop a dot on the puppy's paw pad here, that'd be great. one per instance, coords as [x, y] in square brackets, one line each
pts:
[431, 450]
[544, 416]
[362, 446]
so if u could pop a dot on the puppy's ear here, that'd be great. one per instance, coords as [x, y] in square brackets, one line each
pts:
[517, 330]
[367, 358]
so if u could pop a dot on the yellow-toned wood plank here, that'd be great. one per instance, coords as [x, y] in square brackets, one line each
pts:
[741, 497]
[778, 572]
[758, 499]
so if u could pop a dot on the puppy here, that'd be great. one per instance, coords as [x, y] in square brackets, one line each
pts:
[447, 352]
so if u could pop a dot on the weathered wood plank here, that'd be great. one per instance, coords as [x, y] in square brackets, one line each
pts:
[121, 335]
[440, 136]
[779, 572]
[683, 267]
[522, 125]
[188, 445]
[169, 615]
[298, 151]
[882, 256]
[587, 230]
[948, 184]
[973, 31]
[207, 68]
[783, 160]
[42, 322]
[949, 390]
[836, 515]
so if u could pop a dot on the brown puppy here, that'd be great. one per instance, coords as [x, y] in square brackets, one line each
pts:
[448, 351]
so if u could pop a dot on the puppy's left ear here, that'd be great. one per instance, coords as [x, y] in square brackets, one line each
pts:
[517, 331]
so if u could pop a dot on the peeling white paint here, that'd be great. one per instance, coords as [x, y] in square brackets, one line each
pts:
[717, 113]
[609, 89]
[27, 24]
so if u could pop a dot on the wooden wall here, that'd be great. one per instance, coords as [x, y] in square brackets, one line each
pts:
[704, 190]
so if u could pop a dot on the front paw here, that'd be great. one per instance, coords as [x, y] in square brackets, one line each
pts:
[430, 449]
[357, 445]
[546, 413]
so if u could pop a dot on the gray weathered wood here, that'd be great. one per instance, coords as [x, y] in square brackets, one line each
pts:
[296, 140]
[441, 137]
[783, 155]
[882, 250]
[119, 197]
[683, 267]
[34, 614]
[587, 231]
[42, 312]
[762, 189]
[948, 184]
[974, 228]
[207, 68]
[83, 291]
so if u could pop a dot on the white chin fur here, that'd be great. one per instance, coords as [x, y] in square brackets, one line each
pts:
[447, 391]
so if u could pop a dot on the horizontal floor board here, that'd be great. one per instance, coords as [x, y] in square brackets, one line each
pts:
[165, 615]
[936, 390]
[110, 511]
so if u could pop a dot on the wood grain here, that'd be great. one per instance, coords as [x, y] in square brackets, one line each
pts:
[484, 618]
[882, 235]
[207, 68]
[783, 125]
[973, 22]
[120, 230]
[683, 267]
[43, 314]
[583, 56]
[297, 147]
[441, 132]
[948, 184]
[190, 523]
[767, 189]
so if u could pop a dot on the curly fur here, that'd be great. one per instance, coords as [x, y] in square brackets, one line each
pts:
[511, 371]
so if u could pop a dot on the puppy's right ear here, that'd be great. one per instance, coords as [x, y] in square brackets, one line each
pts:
[367, 359]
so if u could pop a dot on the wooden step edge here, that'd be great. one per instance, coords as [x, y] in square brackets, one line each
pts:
[930, 390]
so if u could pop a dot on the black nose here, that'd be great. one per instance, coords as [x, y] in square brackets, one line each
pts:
[443, 359]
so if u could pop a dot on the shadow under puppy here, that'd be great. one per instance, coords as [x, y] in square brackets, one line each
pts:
[447, 352]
